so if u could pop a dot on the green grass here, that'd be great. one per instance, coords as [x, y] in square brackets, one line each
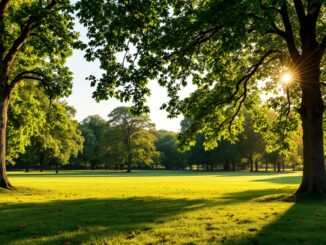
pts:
[158, 207]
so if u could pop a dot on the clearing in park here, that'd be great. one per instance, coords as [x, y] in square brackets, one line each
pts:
[159, 207]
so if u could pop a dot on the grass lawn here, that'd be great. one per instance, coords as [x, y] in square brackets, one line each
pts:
[158, 207]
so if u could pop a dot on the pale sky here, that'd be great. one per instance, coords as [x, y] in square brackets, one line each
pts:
[81, 97]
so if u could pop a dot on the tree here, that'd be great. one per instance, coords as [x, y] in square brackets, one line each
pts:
[224, 47]
[166, 144]
[92, 128]
[27, 115]
[133, 136]
[251, 143]
[36, 36]
[59, 138]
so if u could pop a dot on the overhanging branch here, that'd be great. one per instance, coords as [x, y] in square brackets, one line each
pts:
[289, 37]
[29, 75]
[300, 11]
[3, 7]
[238, 100]
[22, 38]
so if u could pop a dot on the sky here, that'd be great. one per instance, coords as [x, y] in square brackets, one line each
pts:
[81, 97]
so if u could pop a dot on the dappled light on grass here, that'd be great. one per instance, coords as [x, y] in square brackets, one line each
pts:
[148, 207]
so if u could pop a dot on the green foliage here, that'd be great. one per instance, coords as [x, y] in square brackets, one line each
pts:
[92, 129]
[27, 117]
[231, 51]
[58, 137]
[166, 144]
[129, 139]
[43, 31]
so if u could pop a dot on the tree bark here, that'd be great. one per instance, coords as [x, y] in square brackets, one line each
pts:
[278, 167]
[266, 167]
[4, 104]
[56, 167]
[256, 166]
[129, 164]
[251, 163]
[42, 159]
[311, 112]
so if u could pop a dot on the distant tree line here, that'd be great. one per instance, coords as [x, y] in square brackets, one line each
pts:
[50, 138]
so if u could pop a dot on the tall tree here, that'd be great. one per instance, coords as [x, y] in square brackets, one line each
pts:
[92, 128]
[59, 138]
[36, 36]
[224, 47]
[251, 144]
[166, 144]
[133, 132]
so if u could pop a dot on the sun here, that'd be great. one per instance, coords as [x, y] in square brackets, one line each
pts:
[286, 78]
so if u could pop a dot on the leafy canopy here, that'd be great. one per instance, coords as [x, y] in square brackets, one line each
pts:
[230, 50]
[36, 38]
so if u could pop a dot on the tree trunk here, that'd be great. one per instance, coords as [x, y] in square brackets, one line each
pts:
[56, 167]
[226, 166]
[251, 164]
[129, 165]
[266, 167]
[278, 167]
[26, 167]
[256, 166]
[311, 112]
[274, 164]
[42, 160]
[4, 104]
[293, 167]
[283, 167]
[233, 165]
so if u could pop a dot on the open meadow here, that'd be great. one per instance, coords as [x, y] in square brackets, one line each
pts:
[158, 207]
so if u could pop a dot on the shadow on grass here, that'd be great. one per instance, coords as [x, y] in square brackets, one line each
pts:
[283, 180]
[303, 223]
[81, 220]
[264, 195]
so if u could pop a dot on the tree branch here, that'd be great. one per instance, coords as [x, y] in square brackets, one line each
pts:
[287, 114]
[300, 11]
[289, 38]
[29, 26]
[3, 7]
[277, 31]
[209, 107]
[200, 38]
[28, 75]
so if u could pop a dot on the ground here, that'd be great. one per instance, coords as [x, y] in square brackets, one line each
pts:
[158, 207]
